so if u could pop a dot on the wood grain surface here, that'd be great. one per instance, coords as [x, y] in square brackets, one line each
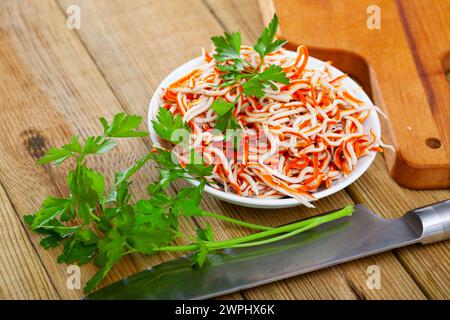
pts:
[56, 82]
[404, 58]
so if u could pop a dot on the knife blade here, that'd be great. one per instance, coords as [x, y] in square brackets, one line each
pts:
[362, 234]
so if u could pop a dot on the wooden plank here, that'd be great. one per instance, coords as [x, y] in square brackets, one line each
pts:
[22, 275]
[149, 65]
[50, 90]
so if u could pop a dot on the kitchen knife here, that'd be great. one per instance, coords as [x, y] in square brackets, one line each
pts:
[362, 234]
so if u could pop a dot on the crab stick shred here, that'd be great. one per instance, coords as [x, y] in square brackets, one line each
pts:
[310, 133]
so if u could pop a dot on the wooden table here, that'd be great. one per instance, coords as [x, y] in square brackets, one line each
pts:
[56, 82]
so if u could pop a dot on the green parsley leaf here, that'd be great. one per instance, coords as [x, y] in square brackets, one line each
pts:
[236, 70]
[111, 249]
[159, 197]
[120, 193]
[235, 67]
[123, 176]
[148, 212]
[145, 238]
[227, 46]
[170, 170]
[167, 176]
[125, 220]
[187, 201]
[123, 126]
[51, 241]
[87, 188]
[205, 234]
[274, 73]
[98, 145]
[199, 257]
[222, 106]
[56, 155]
[97, 278]
[169, 127]
[163, 159]
[232, 72]
[267, 42]
[197, 167]
[51, 209]
[74, 145]
[59, 155]
[256, 85]
[80, 248]
[225, 119]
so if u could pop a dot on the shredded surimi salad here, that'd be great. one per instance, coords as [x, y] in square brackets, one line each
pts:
[298, 138]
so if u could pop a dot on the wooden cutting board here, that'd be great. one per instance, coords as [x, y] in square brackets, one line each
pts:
[401, 62]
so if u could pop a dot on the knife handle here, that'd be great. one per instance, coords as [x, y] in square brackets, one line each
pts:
[431, 222]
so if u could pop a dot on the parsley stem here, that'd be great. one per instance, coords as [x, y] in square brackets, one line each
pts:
[237, 97]
[94, 216]
[248, 241]
[235, 221]
[278, 238]
[286, 228]
[261, 63]
[189, 247]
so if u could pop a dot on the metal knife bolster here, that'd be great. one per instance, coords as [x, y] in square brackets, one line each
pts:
[432, 222]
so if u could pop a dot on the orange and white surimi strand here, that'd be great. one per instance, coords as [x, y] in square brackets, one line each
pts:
[312, 128]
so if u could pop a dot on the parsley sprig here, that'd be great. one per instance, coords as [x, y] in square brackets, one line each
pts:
[166, 126]
[267, 43]
[97, 224]
[234, 69]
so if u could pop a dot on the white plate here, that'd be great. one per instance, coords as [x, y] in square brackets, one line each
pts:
[372, 122]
